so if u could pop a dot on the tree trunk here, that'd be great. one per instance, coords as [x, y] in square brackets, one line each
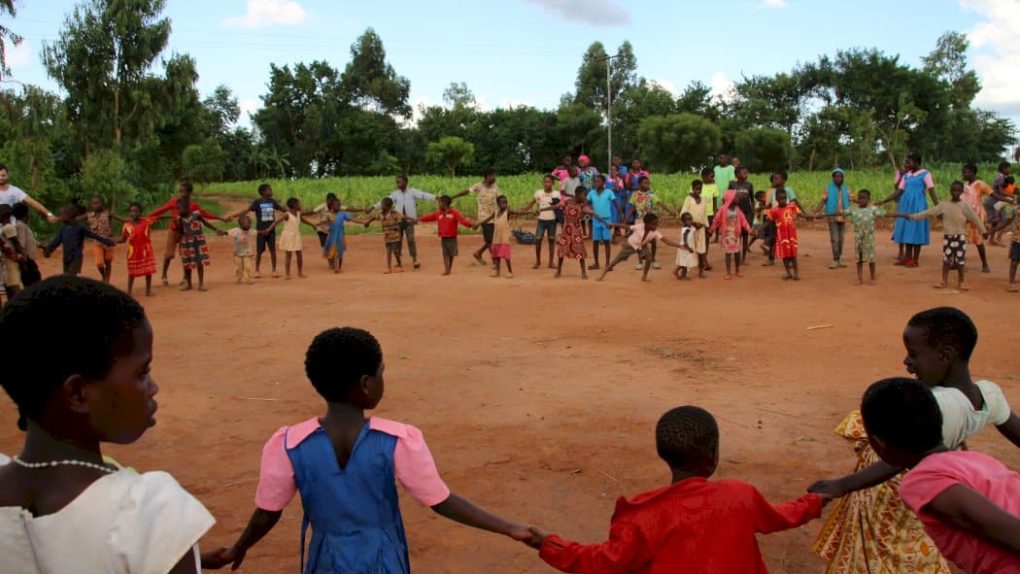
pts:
[116, 117]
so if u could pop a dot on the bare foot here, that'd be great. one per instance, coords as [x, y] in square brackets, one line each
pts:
[165, 282]
[939, 285]
[584, 275]
[536, 266]
[148, 292]
[557, 276]
[962, 287]
[509, 275]
[202, 288]
[593, 267]
[287, 278]
[479, 260]
[302, 275]
[551, 266]
[186, 288]
[646, 279]
[1012, 288]
[446, 272]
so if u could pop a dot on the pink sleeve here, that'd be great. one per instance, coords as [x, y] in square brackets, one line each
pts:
[416, 470]
[903, 183]
[928, 181]
[921, 485]
[276, 475]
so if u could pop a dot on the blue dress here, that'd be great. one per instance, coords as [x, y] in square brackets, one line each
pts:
[913, 201]
[334, 246]
[354, 511]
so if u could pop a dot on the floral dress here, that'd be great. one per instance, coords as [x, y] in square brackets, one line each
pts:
[785, 219]
[571, 241]
[863, 219]
[140, 259]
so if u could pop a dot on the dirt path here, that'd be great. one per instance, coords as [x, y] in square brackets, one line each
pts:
[538, 396]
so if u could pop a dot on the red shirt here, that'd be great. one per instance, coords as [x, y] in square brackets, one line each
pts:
[694, 526]
[172, 204]
[447, 221]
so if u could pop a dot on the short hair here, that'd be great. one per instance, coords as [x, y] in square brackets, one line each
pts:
[71, 208]
[686, 437]
[956, 183]
[599, 176]
[782, 173]
[1002, 166]
[914, 156]
[697, 183]
[781, 191]
[107, 316]
[330, 196]
[1009, 180]
[902, 413]
[386, 201]
[293, 202]
[548, 176]
[135, 204]
[356, 349]
[759, 192]
[3, 166]
[707, 170]
[402, 176]
[946, 326]
[743, 167]
[264, 187]
[649, 218]
[489, 171]
[865, 191]
[643, 179]
[971, 167]
[445, 199]
[20, 211]
[186, 185]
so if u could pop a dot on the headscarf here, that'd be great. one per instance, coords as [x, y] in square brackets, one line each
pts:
[836, 192]
[584, 160]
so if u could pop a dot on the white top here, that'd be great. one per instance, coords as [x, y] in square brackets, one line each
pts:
[545, 200]
[960, 420]
[123, 523]
[406, 202]
[12, 196]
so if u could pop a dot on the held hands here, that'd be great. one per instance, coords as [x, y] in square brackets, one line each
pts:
[829, 488]
[52, 219]
[536, 537]
[220, 232]
[216, 559]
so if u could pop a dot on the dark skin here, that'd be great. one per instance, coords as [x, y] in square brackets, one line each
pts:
[579, 201]
[98, 208]
[444, 206]
[343, 423]
[970, 176]
[268, 194]
[488, 181]
[789, 263]
[600, 188]
[681, 272]
[387, 207]
[649, 228]
[863, 200]
[645, 187]
[135, 214]
[955, 192]
[702, 257]
[184, 193]
[932, 365]
[547, 187]
[12, 250]
[910, 252]
[501, 207]
[199, 269]
[82, 414]
[302, 217]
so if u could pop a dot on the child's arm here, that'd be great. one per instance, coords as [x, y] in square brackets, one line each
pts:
[116, 217]
[368, 220]
[672, 243]
[465, 512]
[769, 518]
[54, 243]
[873, 475]
[271, 227]
[627, 550]
[967, 510]
[1011, 429]
[486, 220]
[260, 524]
[596, 217]
[206, 223]
[104, 240]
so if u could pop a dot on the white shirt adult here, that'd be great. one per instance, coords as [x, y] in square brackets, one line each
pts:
[12, 194]
[405, 201]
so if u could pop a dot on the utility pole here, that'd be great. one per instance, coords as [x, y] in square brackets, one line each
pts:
[609, 111]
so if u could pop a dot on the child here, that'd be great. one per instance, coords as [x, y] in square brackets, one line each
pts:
[29, 270]
[974, 192]
[336, 241]
[173, 236]
[447, 219]
[862, 214]
[13, 253]
[642, 202]
[745, 193]
[194, 251]
[244, 249]
[1005, 207]
[290, 238]
[710, 191]
[763, 227]
[390, 222]
[100, 221]
[345, 466]
[836, 203]
[1014, 249]
[729, 222]
[939, 343]
[141, 260]
[501, 235]
[696, 204]
[97, 389]
[643, 235]
[265, 208]
[966, 500]
[692, 525]
[571, 241]
[72, 236]
[623, 193]
[686, 256]
[955, 214]
[546, 226]
[784, 215]
[322, 227]
[605, 204]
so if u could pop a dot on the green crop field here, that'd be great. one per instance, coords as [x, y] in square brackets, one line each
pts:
[671, 188]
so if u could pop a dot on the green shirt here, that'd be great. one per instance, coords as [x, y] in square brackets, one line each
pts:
[723, 177]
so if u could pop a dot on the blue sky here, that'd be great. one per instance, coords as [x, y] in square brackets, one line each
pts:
[527, 51]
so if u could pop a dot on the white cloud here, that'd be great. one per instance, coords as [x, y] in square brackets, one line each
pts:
[666, 85]
[773, 4]
[996, 53]
[597, 12]
[722, 87]
[265, 13]
[20, 55]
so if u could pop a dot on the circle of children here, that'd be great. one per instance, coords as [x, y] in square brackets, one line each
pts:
[915, 498]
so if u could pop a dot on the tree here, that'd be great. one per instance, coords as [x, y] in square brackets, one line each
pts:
[591, 76]
[763, 149]
[204, 162]
[222, 109]
[6, 35]
[451, 153]
[105, 174]
[459, 95]
[948, 62]
[369, 82]
[678, 142]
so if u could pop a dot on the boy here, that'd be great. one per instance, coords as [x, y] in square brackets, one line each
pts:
[546, 226]
[605, 205]
[100, 221]
[1013, 223]
[447, 219]
[173, 236]
[390, 222]
[763, 226]
[642, 241]
[974, 192]
[405, 203]
[744, 201]
[485, 192]
[244, 248]
[692, 525]
[862, 214]
[966, 500]
[709, 191]
[997, 195]
[72, 237]
[955, 216]
[265, 208]
[322, 227]
[13, 253]
[26, 239]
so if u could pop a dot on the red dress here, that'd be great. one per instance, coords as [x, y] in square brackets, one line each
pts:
[785, 219]
[140, 260]
[694, 526]
[571, 241]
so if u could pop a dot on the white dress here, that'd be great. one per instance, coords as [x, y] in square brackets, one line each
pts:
[685, 258]
[123, 523]
[960, 420]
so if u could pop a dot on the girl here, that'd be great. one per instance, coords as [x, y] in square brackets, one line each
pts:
[141, 260]
[784, 215]
[909, 234]
[697, 207]
[290, 238]
[345, 465]
[194, 251]
[63, 506]
[730, 223]
[642, 201]
[390, 220]
[862, 214]
[500, 250]
[686, 256]
[836, 203]
[571, 241]
[336, 241]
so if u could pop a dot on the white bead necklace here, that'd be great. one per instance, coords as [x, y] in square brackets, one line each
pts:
[54, 463]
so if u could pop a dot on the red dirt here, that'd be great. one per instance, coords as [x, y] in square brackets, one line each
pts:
[538, 396]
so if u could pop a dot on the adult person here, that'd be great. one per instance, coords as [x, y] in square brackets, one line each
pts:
[486, 192]
[12, 195]
[974, 190]
[405, 202]
[836, 203]
[173, 236]
[910, 194]
[724, 173]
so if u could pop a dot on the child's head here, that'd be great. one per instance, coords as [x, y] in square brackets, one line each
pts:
[330, 197]
[956, 190]
[581, 194]
[864, 197]
[386, 204]
[838, 176]
[617, 162]
[183, 206]
[68, 212]
[135, 210]
[244, 222]
[20, 211]
[635, 164]
[600, 181]
[1009, 180]
[759, 196]
[547, 182]
[735, 161]
[1004, 168]
[687, 439]
[741, 173]
[696, 187]
[445, 201]
[937, 340]
[567, 160]
[651, 221]
[781, 197]
[779, 178]
[573, 170]
[969, 172]
[185, 189]
[614, 170]
[489, 176]
[97, 388]
[723, 160]
[708, 175]
[687, 219]
[583, 161]
[265, 190]
[913, 161]
[401, 181]
[5, 213]
[902, 419]
[96, 203]
[360, 382]
[503, 203]
[645, 183]
[293, 204]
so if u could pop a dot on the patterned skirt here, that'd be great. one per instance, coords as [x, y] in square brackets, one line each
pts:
[954, 250]
[194, 251]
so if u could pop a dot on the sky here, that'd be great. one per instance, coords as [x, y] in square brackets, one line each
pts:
[512, 52]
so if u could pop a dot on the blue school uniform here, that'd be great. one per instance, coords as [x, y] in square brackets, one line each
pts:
[912, 201]
[604, 205]
[334, 246]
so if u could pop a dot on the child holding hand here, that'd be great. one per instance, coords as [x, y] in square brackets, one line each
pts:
[141, 258]
[194, 250]
[730, 222]
[642, 237]
[447, 218]
[501, 234]
[390, 220]
[686, 256]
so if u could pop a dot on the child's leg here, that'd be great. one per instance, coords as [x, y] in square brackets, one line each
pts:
[584, 270]
[729, 265]
[959, 274]
[702, 265]
[595, 248]
[787, 265]
[509, 269]
[860, 272]
[737, 260]
[447, 264]
[796, 270]
[648, 266]
[538, 253]
[1012, 273]
[655, 246]
[287, 263]
[559, 268]
[271, 246]
[148, 285]
[396, 256]
[552, 245]
[187, 279]
[201, 277]
[300, 264]
[945, 274]
[984, 259]
[131, 284]
[608, 249]
[495, 266]
[260, 248]
[339, 264]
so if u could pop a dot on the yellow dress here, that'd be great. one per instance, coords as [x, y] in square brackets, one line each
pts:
[290, 238]
[872, 531]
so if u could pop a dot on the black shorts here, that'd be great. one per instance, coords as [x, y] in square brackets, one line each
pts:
[449, 246]
[322, 237]
[546, 227]
[394, 248]
[1014, 251]
[487, 230]
[263, 242]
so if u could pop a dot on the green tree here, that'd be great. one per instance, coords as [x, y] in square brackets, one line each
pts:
[763, 149]
[452, 153]
[369, 82]
[590, 87]
[678, 142]
[105, 173]
[7, 35]
[204, 162]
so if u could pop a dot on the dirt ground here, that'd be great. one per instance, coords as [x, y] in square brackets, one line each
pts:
[539, 397]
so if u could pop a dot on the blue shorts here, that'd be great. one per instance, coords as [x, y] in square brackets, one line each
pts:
[600, 232]
[546, 228]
